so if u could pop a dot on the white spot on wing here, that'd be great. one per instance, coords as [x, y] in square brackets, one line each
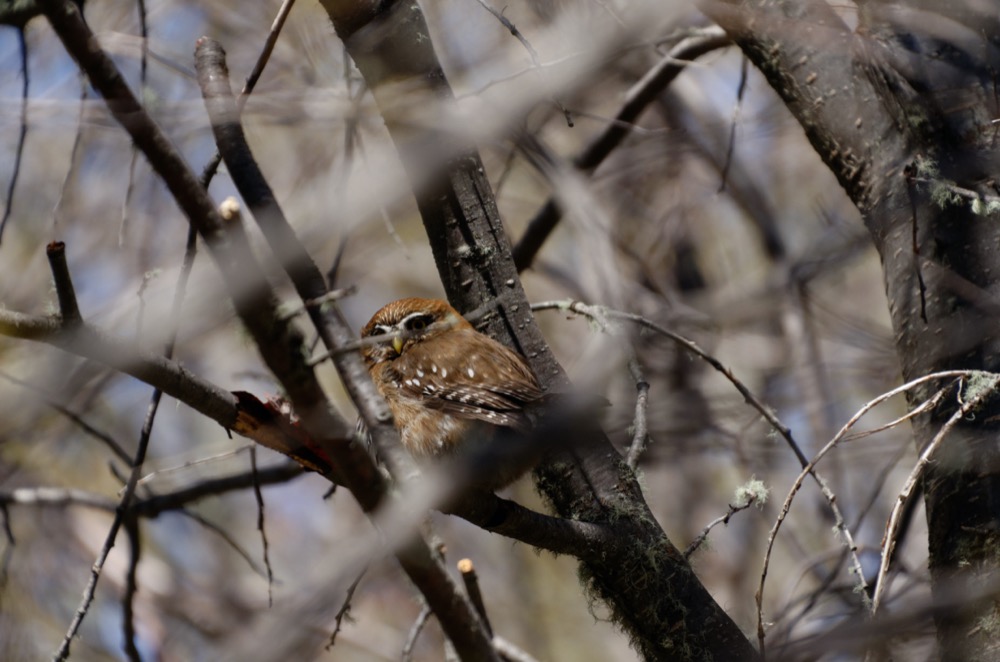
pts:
[444, 372]
[420, 373]
[471, 372]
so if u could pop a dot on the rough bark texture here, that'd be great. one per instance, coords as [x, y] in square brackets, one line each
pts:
[901, 111]
[651, 590]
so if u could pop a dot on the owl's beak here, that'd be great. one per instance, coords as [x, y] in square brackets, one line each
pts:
[397, 344]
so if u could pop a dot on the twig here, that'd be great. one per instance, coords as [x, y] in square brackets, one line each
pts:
[95, 572]
[68, 308]
[8, 550]
[471, 581]
[67, 301]
[22, 135]
[265, 52]
[71, 320]
[143, 66]
[260, 524]
[75, 418]
[151, 506]
[640, 429]
[889, 539]
[415, 630]
[345, 609]
[638, 97]
[535, 61]
[220, 531]
[122, 355]
[724, 519]
[351, 463]
[990, 201]
[510, 652]
[131, 587]
[797, 484]
[329, 297]
[73, 155]
[595, 312]
[731, 146]
[152, 475]
[576, 538]
[208, 172]
[592, 312]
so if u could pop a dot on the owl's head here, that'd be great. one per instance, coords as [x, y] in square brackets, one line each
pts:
[409, 321]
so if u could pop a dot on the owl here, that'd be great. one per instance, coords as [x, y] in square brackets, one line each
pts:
[451, 389]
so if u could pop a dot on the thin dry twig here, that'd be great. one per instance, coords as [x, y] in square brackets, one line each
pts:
[508, 651]
[22, 136]
[723, 519]
[74, 155]
[75, 418]
[259, 498]
[797, 484]
[131, 588]
[839, 521]
[983, 389]
[640, 428]
[134, 159]
[471, 581]
[344, 613]
[535, 61]
[68, 307]
[208, 172]
[638, 97]
[127, 493]
[415, 630]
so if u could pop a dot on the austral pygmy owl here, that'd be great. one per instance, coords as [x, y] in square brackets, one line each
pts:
[450, 388]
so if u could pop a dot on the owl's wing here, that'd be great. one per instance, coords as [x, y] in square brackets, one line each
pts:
[469, 375]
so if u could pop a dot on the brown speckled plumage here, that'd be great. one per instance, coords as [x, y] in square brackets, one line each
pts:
[446, 383]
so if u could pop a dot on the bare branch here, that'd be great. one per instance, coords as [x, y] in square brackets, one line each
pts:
[70, 311]
[22, 135]
[259, 498]
[116, 523]
[415, 630]
[471, 581]
[985, 386]
[454, 613]
[636, 99]
[723, 519]
[345, 608]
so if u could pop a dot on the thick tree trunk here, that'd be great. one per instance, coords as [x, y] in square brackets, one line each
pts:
[903, 112]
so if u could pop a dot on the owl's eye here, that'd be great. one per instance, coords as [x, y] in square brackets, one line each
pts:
[418, 322]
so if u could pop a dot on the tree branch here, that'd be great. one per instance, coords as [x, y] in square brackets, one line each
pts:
[590, 483]
[637, 98]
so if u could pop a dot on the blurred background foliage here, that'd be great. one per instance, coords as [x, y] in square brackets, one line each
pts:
[715, 219]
